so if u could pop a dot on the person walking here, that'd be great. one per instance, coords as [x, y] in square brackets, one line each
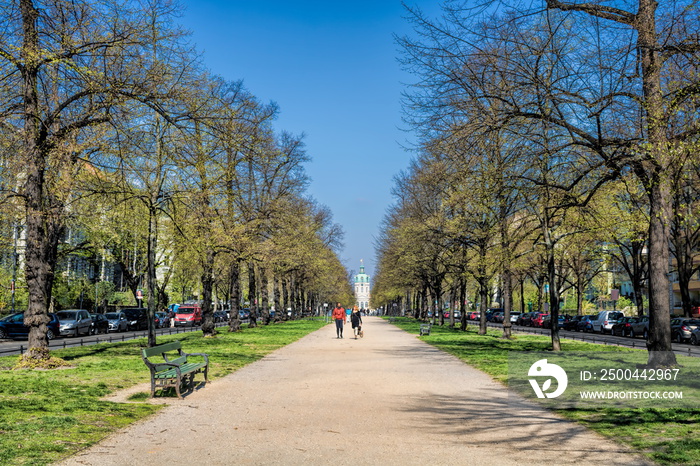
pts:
[339, 316]
[356, 320]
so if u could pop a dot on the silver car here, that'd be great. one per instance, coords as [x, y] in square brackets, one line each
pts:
[117, 321]
[74, 322]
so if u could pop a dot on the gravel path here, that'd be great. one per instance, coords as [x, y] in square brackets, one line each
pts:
[386, 399]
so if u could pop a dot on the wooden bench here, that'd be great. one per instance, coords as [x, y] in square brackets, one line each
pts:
[425, 329]
[175, 368]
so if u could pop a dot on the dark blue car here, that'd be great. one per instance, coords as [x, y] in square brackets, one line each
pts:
[12, 326]
[585, 324]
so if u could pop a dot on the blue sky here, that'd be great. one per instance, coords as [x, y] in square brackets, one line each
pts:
[332, 68]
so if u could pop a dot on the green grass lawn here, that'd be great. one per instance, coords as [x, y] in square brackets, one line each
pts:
[665, 435]
[48, 415]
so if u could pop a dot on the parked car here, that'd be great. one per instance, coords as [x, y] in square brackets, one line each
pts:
[12, 326]
[220, 316]
[695, 336]
[623, 327]
[474, 315]
[497, 316]
[640, 327]
[74, 322]
[605, 320]
[585, 323]
[524, 318]
[547, 321]
[514, 317]
[571, 323]
[136, 318]
[448, 312]
[682, 327]
[244, 314]
[100, 324]
[561, 319]
[188, 315]
[537, 319]
[117, 321]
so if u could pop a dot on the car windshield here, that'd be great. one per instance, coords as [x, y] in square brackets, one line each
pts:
[185, 310]
[112, 315]
[66, 315]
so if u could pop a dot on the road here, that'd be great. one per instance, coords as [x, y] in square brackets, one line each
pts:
[10, 347]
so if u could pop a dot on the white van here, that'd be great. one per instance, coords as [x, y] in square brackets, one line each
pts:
[605, 320]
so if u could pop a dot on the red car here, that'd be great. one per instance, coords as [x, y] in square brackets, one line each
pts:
[537, 319]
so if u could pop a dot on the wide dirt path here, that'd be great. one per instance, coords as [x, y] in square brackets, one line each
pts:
[386, 399]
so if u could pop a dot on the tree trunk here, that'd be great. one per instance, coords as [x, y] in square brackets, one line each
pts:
[279, 312]
[43, 227]
[151, 275]
[553, 284]
[463, 304]
[252, 296]
[234, 320]
[438, 301]
[264, 296]
[659, 186]
[286, 298]
[579, 297]
[684, 267]
[208, 327]
[293, 297]
[454, 302]
[659, 342]
[507, 301]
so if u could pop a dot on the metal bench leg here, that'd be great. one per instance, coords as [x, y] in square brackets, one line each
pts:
[177, 387]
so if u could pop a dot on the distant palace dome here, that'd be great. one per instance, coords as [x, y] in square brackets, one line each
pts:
[362, 287]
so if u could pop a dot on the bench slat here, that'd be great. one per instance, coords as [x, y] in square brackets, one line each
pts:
[160, 349]
[185, 369]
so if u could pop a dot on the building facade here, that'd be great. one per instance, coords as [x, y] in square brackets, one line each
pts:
[362, 287]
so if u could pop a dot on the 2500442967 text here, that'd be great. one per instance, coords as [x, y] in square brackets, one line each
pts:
[615, 375]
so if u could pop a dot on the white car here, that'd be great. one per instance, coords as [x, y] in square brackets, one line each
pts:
[605, 320]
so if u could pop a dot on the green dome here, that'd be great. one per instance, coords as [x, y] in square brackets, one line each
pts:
[362, 277]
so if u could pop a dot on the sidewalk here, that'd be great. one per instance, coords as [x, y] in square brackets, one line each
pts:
[386, 399]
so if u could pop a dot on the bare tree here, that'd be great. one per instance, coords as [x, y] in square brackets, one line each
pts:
[70, 66]
[614, 88]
